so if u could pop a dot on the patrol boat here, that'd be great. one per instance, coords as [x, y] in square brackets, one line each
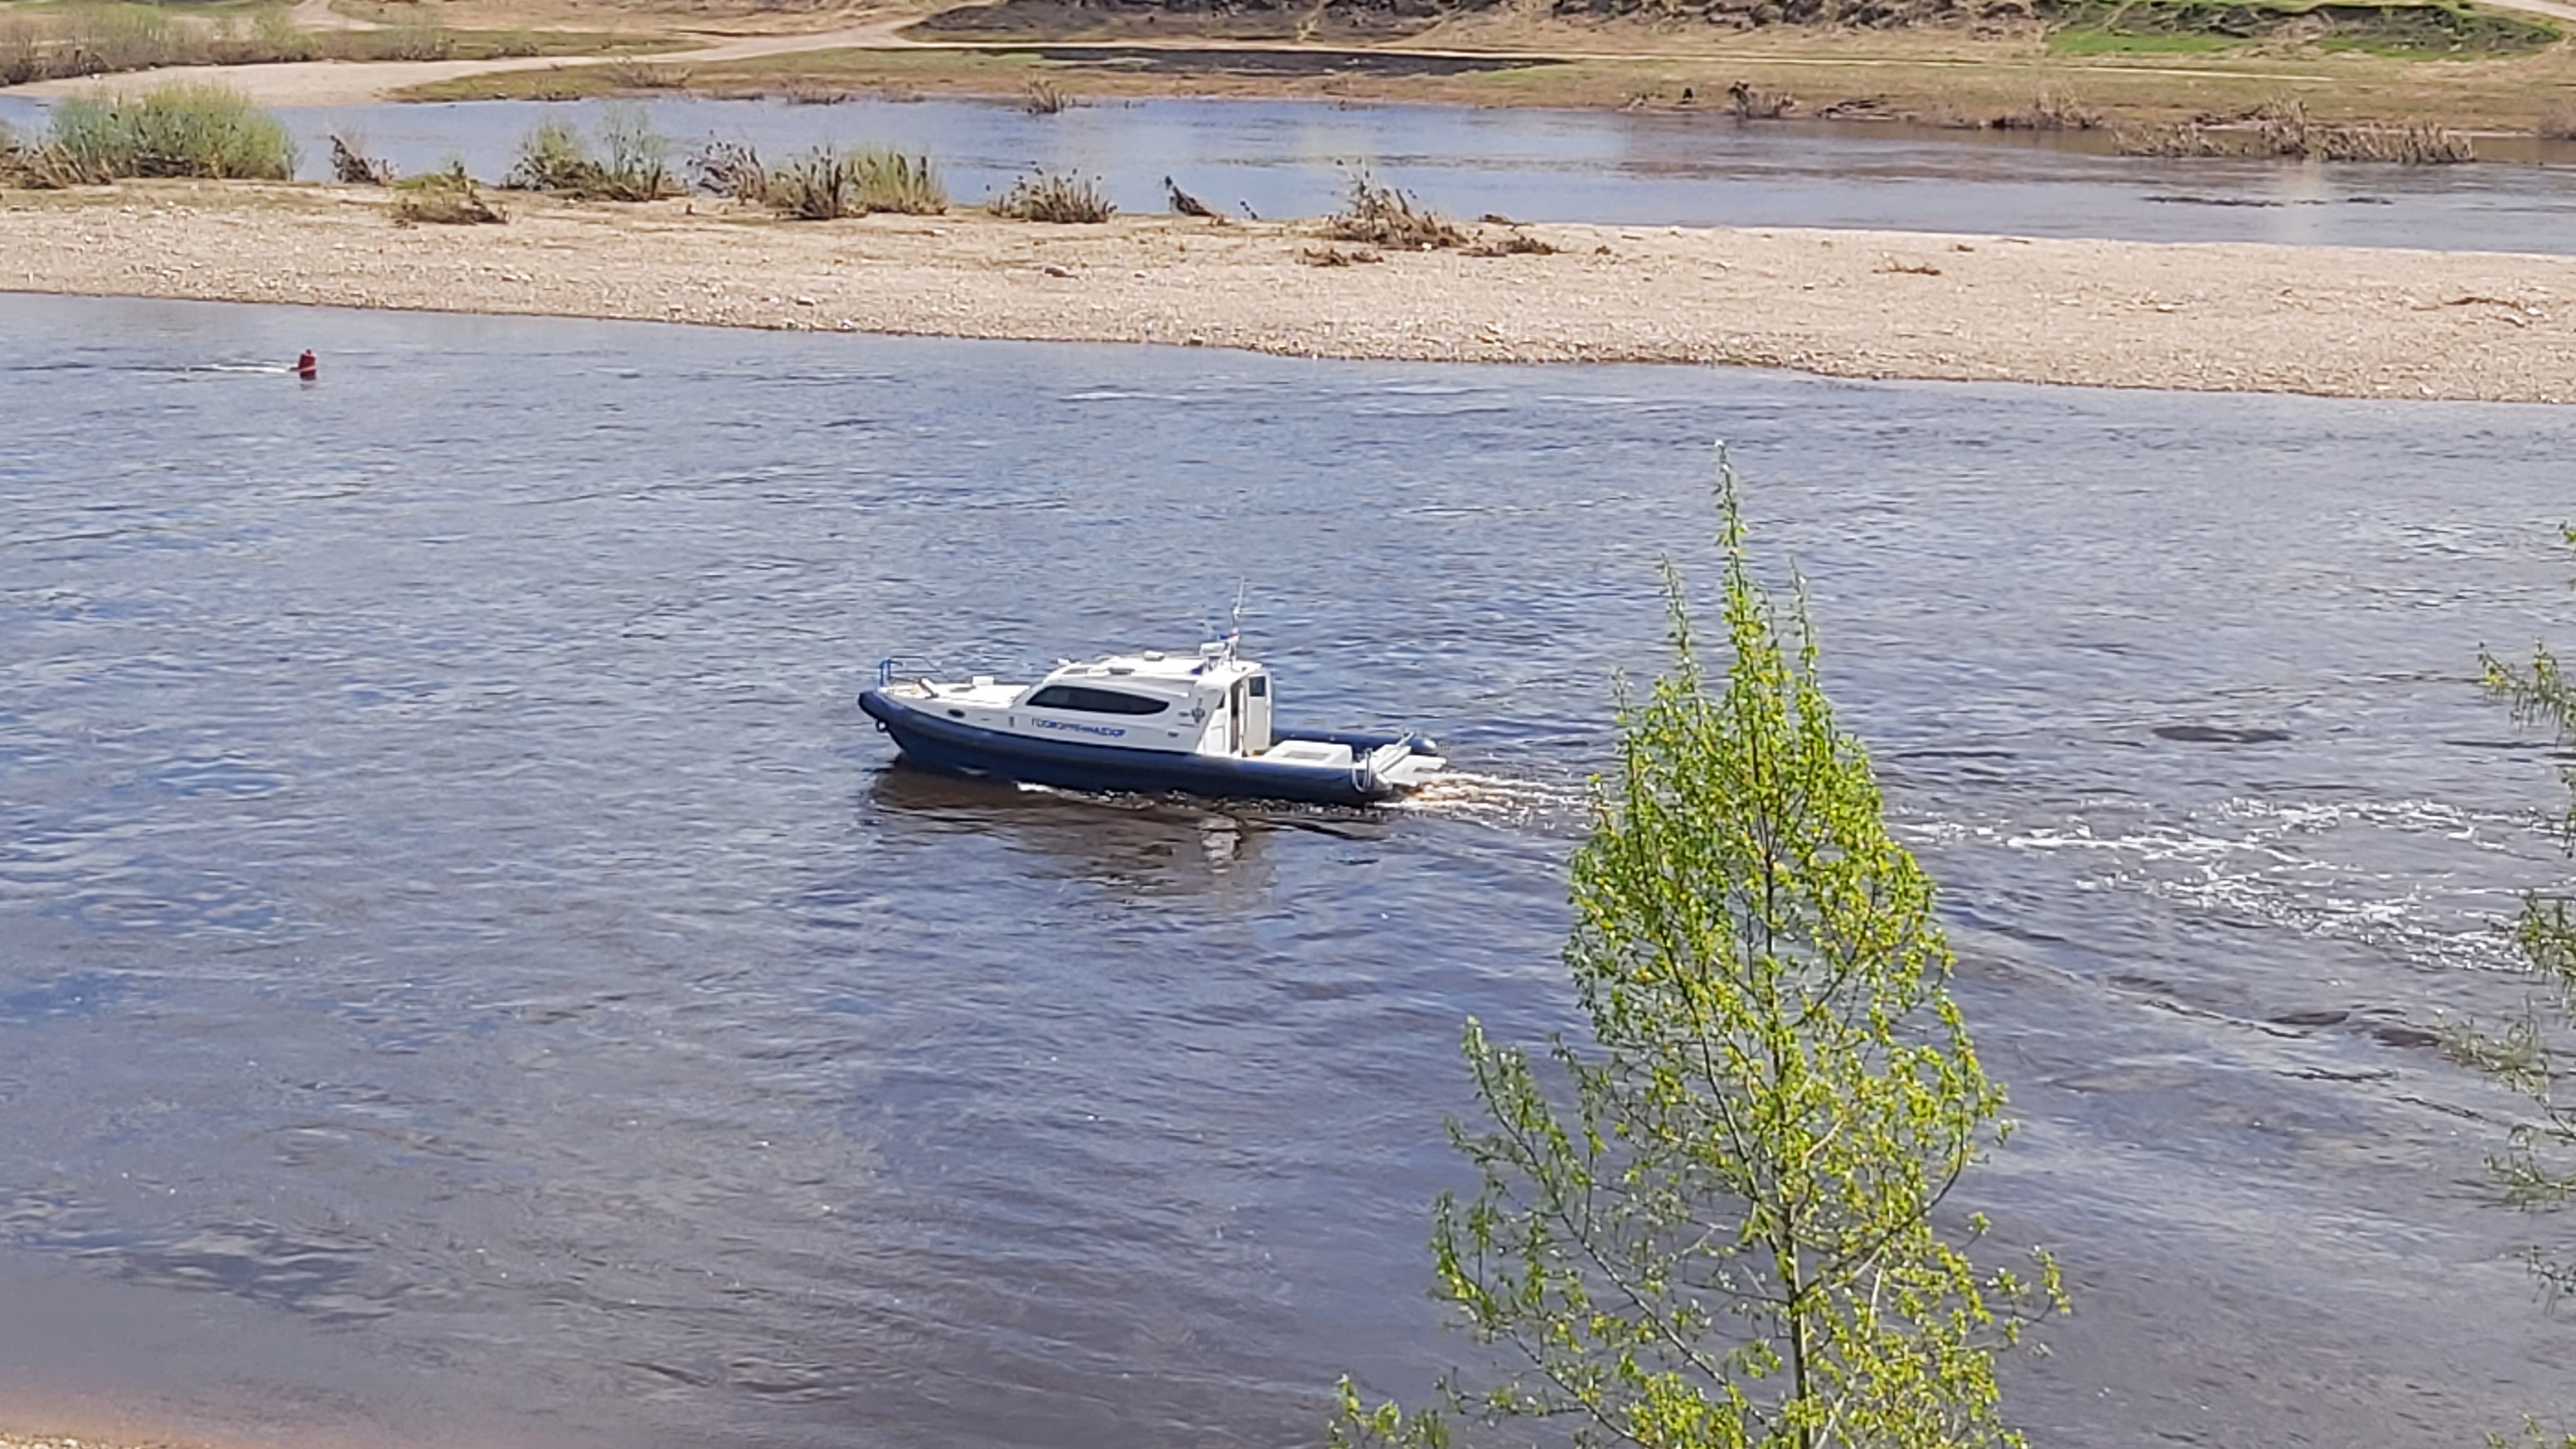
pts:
[1196, 724]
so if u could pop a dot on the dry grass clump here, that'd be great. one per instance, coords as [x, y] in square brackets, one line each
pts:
[1184, 204]
[352, 166]
[13, 158]
[2282, 129]
[190, 128]
[1336, 257]
[632, 164]
[1057, 197]
[1383, 216]
[443, 198]
[412, 40]
[1045, 98]
[2415, 145]
[1512, 244]
[1859, 108]
[1752, 103]
[39, 168]
[730, 169]
[2048, 111]
[630, 74]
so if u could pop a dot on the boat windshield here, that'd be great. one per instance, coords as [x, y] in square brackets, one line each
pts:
[1095, 701]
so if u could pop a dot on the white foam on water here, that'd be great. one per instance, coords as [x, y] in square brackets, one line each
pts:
[2321, 869]
[1493, 799]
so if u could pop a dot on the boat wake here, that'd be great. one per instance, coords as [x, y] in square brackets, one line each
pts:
[1496, 800]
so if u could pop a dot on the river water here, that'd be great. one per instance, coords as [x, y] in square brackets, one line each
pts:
[1296, 158]
[470, 975]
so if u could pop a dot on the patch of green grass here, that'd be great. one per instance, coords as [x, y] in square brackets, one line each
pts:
[848, 70]
[826, 184]
[2407, 29]
[2108, 42]
[1054, 196]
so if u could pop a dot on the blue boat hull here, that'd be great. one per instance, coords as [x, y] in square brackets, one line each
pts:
[955, 748]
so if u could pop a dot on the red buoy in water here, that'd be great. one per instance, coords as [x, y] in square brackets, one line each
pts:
[306, 368]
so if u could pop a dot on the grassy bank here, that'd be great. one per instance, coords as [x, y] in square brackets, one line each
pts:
[2406, 29]
[1945, 79]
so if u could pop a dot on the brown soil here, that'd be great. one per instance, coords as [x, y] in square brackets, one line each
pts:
[2334, 321]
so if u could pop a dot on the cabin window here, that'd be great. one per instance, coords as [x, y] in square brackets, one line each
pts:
[1095, 701]
[1261, 686]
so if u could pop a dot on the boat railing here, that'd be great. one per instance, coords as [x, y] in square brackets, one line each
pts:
[899, 666]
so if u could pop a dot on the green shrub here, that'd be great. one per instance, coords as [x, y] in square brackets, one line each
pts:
[1050, 196]
[817, 186]
[638, 157]
[190, 128]
[1711, 1214]
[825, 184]
[555, 157]
[552, 157]
[890, 181]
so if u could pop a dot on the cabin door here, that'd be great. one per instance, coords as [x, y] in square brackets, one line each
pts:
[1256, 714]
[1234, 719]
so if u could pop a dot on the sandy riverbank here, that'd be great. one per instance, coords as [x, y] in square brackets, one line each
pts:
[2330, 321]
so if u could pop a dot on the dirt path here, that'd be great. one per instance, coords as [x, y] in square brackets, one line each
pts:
[2331, 321]
[318, 15]
[2554, 9]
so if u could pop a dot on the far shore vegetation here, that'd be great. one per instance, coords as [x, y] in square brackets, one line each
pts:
[108, 37]
[1946, 80]
[2190, 77]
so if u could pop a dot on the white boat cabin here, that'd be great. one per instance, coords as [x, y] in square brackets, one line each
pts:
[1208, 703]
